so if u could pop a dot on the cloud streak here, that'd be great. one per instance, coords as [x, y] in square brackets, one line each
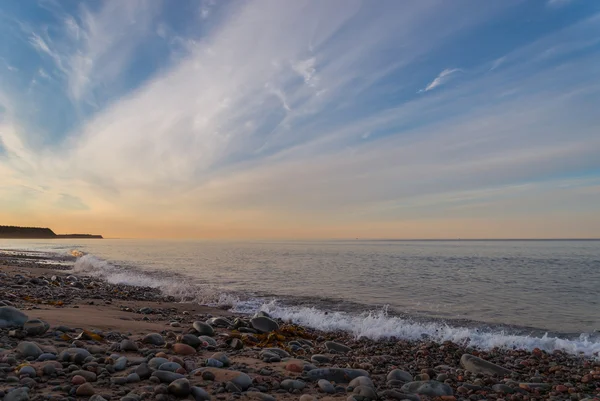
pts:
[273, 120]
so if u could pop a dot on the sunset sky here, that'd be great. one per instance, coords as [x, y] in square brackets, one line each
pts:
[312, 119]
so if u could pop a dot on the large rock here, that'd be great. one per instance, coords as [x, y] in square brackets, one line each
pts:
[264, 324]
[154, 363]
[199, 394]
[326, 386]
[398, 374]
[337, 347]
[77, 355]
[240, 379]
[366, 392]
[480, 366]
[154, 339]
[11, 317]
[35, 327]
[86, 374]
[430, 388]
[191, 340]
[183, 349]
[362, 381]
[180, 388]
[337, 375]
[28, 349]
[203, 329]
[18, 394]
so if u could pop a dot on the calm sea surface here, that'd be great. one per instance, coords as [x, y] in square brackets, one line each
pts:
[546, 285]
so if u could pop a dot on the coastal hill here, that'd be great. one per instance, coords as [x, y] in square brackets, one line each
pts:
[38, 233]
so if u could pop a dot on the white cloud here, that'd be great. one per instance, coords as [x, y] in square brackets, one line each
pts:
[441, 79]
[236, 130]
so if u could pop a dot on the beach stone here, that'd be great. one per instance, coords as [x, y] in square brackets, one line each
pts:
[338, 375]
[191, 340]
[236, 344]
[337, 347]
[154, 363]
[143, 371]
[232, 388]
[27, 370]
[77, 355]
[120, 364]
[260, 396]
[295, 365]
[221, 357]
[211, 341]
[277, 351]
[214, 363]
[77, 380]
[180, 388]
[203, 329]
[326, 386]
[396, 395]
[264, 324]
[362, 381]
[503, 388]
[29, 349]
[18, 394]
[153, 339]
[219, 322]
[86, 374]
[11, 317]
[183, 349]
[318, 358]
[199, 394]
[398, 374]
[240, 379]
[477, 365]
[85, 390]
[365, 392]
[170, 366]
[48, 369]
[133, 378]
[46, 356]
[431, 388]
[128, 345]
[35, 327]
[97, 397]
[290, 384]
[167, 377]
[307, 397]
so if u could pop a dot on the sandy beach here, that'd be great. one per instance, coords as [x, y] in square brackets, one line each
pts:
[73, 337]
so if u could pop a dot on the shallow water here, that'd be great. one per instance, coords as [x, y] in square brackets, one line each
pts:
[511, 287]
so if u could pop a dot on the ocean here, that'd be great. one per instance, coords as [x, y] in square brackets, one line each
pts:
[519, 294]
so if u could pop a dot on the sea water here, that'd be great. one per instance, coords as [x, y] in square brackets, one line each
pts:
[522, 294]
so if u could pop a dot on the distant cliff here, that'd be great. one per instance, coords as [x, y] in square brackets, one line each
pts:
[37, 233]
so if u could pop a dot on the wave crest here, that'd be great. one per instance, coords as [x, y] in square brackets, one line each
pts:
[375, 325]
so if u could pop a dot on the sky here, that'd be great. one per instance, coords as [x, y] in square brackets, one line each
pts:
[301, 119]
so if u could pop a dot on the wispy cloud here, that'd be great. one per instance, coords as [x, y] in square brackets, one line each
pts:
[257, 125]
[441, 79]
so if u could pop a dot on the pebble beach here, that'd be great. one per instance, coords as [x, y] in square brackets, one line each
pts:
[71, 337]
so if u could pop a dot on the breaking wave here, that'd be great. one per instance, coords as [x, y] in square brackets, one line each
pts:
[374, 325]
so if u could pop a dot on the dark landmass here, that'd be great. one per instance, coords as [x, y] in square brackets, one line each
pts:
[13, 232]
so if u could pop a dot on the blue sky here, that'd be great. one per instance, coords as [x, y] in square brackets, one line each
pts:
[315, 119]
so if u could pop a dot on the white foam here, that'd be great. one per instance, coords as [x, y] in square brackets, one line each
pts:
[374, 325]
[379, 325]
[176, 287]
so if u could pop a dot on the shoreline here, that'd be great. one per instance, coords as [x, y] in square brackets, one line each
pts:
[118, 313]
